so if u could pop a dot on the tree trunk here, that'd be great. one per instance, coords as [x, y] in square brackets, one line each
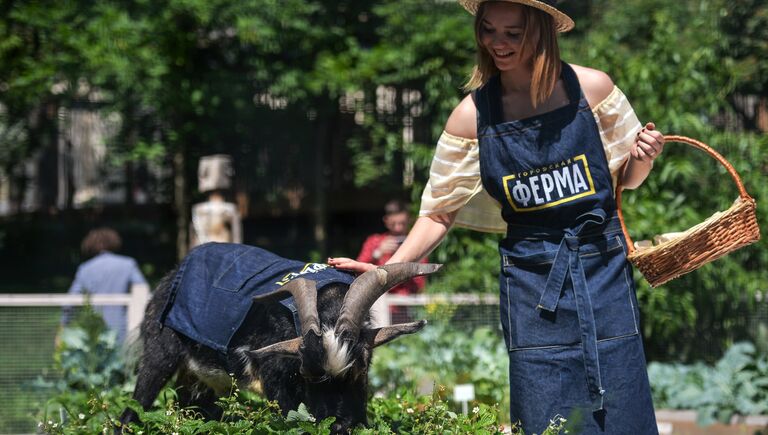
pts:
[180, 203]
[320, 206]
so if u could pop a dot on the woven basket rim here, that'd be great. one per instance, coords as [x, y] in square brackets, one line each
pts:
[737, 207]
[696, 144]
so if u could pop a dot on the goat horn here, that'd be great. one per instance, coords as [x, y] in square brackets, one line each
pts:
[368, 287]
[378, 336]
[304, 292]
[283, 348]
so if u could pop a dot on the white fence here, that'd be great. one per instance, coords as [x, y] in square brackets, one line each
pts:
[135, 301]
[29, 324]
[467, 309]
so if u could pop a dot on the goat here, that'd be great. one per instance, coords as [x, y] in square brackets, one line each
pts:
[325, 367]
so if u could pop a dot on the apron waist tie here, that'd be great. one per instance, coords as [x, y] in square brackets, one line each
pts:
[567, 261]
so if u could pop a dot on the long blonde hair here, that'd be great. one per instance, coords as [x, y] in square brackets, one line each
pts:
[546, 54]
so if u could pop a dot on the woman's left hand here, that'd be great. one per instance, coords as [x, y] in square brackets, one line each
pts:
[649, 144]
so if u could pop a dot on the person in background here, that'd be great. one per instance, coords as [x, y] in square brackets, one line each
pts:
[105, 273]
[536, 151]
[378, 249]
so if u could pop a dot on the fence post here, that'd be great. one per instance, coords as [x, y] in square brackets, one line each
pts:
[139, 299]
[380, 312]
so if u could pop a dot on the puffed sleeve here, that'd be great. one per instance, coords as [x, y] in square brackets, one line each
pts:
[454, 184]
[618, 126]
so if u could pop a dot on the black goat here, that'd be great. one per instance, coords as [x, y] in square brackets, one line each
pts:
[326, 368]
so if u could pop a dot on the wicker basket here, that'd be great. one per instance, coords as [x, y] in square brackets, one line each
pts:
[722, 233]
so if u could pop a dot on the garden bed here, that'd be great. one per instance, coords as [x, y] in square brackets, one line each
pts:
[676, 422]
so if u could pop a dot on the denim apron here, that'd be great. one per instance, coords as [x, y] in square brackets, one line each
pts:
[568, 306]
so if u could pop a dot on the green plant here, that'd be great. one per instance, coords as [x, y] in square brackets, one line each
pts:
[736, 385]
[87, 356]
[471, 263]
[443, 355]
[91, 394]
[247, 413]
[89, 370]
[408, 414]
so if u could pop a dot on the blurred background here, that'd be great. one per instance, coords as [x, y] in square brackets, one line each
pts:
[331, 108]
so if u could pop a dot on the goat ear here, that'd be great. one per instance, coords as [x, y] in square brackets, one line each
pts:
[288, 348]
[378, 336]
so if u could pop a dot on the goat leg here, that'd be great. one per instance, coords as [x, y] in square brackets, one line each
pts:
[159, 362]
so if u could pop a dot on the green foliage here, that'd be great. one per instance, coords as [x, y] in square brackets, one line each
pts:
[408, 414]
[246, 413]
[87, 356]
[91, 396]
[736, 385]
[745, 32]
[441, 355]
[90, 371]
[471, 263]
[400, 56]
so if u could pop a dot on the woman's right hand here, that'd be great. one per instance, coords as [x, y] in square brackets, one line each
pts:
[344, 263]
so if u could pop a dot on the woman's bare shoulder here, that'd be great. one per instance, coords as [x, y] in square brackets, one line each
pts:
[596, 84]
[463, 119]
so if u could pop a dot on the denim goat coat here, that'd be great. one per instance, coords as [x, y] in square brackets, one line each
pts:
[213, 289]
[568, 305]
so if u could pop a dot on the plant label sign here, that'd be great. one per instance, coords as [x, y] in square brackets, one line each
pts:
[464, 393]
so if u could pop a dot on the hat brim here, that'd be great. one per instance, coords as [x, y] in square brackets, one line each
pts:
[563, 22]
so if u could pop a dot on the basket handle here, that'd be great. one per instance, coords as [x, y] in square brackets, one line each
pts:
[696, 144]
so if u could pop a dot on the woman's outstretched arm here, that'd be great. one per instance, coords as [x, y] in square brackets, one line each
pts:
[427, 232]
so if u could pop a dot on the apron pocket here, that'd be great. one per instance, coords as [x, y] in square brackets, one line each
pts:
[237, 269]
[525, 325]
[611, 289]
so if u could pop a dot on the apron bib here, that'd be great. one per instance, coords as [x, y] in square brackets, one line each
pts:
[568, 306]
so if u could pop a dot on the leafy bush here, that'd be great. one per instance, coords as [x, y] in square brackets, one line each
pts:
[92, 393]
[88, 362]
[471, 262]
[87, 356]
[246, 413]
[440, 355]
[736, 385]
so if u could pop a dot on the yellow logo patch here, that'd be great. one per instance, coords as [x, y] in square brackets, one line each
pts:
[548, 186]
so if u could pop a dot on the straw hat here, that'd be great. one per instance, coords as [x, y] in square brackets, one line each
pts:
[563, 22]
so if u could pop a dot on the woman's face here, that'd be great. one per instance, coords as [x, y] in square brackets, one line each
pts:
[501, 34]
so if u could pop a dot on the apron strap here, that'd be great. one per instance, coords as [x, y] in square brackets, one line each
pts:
[572, 85]
[489, 110]
[569, 246]
[567, 261]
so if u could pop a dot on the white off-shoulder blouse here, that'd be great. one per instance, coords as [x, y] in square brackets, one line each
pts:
[454, 177]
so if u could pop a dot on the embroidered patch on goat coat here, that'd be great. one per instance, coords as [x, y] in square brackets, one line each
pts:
[215, 284]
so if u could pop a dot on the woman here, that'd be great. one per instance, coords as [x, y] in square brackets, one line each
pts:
[547, 141]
